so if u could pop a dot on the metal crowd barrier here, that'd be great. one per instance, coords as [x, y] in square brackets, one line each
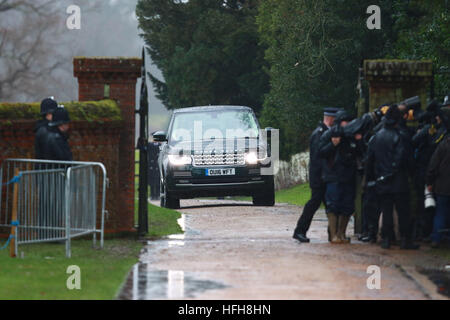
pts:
[48, 201]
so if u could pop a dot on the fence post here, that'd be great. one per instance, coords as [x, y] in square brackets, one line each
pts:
[67, 205]
[12, 246]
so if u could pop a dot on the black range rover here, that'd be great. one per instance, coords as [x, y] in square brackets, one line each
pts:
[214, 151]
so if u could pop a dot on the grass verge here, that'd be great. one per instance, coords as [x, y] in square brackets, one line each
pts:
[41, 274]
[161, 221]
[297, 195]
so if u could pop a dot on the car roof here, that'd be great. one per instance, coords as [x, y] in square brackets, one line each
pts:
[210, 108]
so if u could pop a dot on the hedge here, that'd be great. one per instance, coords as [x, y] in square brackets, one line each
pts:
[78, 110]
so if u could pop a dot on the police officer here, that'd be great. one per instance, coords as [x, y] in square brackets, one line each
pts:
[57, 147]
[315, 176]
[48, 106]
[339, 154]
[153, 170]
[388, 163]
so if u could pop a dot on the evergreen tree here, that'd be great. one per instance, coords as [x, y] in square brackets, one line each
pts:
[314, 51]
[207, 51]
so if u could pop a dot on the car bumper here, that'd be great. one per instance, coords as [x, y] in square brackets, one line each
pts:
[191, 183]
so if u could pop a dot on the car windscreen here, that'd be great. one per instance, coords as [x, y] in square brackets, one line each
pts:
[218, 124]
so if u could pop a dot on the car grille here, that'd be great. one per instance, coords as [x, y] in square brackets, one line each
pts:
[219, 159]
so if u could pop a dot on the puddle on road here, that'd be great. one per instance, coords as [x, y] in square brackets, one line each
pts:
[441, 278]
[146, 284]
[182, 222]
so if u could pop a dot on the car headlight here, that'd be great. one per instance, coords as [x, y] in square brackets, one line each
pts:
[179, 160]
[251, 158]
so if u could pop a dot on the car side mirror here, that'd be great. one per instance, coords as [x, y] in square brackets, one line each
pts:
[159, 136]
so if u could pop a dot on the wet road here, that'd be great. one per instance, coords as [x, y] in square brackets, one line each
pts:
[233, 250]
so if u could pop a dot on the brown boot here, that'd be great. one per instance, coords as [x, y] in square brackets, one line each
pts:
[332, 226]
[342, 227]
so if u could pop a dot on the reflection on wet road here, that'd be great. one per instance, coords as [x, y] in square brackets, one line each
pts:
[144, 283]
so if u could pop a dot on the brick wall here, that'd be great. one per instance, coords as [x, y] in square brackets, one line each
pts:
[109, 141]
[89, 142]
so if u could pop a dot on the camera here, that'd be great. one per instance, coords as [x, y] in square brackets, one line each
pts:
[363, 124]
[429, 199]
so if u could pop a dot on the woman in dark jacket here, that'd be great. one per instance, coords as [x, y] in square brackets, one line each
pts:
[438, 181]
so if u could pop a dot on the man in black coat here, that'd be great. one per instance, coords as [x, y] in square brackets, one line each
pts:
[315, 176]
[339, 153]
[370, 204]
[389, 160]
[48, 106]
[153, 170]
[57, 147]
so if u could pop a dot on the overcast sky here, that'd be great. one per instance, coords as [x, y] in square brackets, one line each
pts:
[113, 31]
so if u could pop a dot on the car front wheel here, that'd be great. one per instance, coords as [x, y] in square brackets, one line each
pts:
[266, 197]
[167, 200]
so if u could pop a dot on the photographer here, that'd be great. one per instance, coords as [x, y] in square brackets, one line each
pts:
[339, 166]
[366, 126]
[437, 181]
[425, 142]
[411, 111]
[388, 162]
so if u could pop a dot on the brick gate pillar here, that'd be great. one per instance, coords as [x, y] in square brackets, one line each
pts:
[115, 78]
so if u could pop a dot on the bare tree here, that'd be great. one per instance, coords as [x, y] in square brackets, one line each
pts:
[35, 55]
[37, 48]
[27, 30]
[26, 6]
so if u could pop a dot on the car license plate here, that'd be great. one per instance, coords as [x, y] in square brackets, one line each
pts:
[220, 172]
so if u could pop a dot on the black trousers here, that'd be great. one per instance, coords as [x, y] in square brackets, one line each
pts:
[317, 197]
[424, 218]
[401, 203]
[153, 181]
[370, 212]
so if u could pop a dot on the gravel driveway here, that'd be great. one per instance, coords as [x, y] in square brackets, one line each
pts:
[233, 250]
